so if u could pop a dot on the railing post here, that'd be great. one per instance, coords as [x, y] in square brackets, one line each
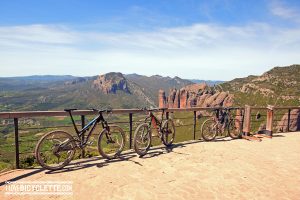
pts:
[195, 121]
[130, 130]
[82, 137]
[270, 116]
[247, 120]
[289, 120]
[238, 120]
[16, 124]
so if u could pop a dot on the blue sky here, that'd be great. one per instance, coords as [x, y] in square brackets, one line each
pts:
[216, 39]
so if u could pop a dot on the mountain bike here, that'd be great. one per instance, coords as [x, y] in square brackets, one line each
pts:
[222, 121]
[143, 133]
[56, 149]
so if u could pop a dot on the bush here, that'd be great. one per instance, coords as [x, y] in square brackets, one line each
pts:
[27, 161]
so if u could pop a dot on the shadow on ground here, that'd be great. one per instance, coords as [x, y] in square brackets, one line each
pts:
[126, 156]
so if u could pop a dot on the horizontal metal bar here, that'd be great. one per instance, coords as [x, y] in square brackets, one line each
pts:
[286, 107]
[20, 114]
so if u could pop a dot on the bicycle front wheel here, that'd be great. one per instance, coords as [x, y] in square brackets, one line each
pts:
[55, 150]
[111, 142]
[142, 139]
[235, 129]
[168, 132]
[209, 130]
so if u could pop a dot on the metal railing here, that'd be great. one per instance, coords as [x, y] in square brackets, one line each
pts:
[132, 118]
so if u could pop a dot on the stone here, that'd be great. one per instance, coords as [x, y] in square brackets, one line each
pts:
[183, 98]
[162, 100]
[228, 101]
[195, 95]
[282, 125]
[219, 99]
[208, 102]
[111, 82]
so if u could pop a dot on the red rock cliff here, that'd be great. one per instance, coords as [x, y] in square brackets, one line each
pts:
[200, 95]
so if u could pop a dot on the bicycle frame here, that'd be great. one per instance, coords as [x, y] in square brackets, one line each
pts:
[93, 123]
[154, 121]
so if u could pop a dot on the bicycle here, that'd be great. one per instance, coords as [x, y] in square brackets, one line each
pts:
[219, 124]
[143, 133]
[56, 155]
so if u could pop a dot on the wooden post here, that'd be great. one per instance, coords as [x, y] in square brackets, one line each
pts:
[17, 153]
[130, 130]
[289, 120]
[82, 136]
[270, 116]
[247, 120]
[195, 121]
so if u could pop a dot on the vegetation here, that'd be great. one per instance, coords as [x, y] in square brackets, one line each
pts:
[279, 86]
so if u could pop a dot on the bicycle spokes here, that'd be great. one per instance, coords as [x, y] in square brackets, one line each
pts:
[111, 142]
[55, 149]
[168, 132]
[142, 138]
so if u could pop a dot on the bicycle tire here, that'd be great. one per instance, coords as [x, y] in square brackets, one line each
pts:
[209, 130]
[119, 136]
[144, 137]
[166, 131]
[234, 131]
[38, 152]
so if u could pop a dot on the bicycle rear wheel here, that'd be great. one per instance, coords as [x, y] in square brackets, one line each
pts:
[55, 150]
[142, 139]
[209, 130]
[111, 143]
[168, 132]
[234, 129]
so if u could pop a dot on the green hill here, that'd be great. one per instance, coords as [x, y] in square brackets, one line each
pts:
[278, 86]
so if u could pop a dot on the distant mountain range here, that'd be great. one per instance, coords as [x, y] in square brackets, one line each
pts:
[108, 90]
[208, 82]
[280, 86]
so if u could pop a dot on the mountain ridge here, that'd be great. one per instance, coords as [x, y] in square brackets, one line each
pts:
[58, 92]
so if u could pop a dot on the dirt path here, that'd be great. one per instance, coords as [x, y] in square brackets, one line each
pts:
[236, 169]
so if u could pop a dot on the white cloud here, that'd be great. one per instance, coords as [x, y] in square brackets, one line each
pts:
[204, 51]
[280, 9]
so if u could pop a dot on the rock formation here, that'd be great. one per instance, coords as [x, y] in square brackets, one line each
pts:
[162, 100]
[282, 125]
[200, 95]
[111, 82]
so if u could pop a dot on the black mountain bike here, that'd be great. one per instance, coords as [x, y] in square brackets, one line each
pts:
[56, 149]
[221, 122]
[143, 133]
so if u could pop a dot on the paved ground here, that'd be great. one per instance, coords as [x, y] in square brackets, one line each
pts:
[236, 169]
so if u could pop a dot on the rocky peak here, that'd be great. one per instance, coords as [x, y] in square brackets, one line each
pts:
[200, 95]
[111, 82]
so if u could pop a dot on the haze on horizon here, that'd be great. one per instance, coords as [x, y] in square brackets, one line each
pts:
[211, 40]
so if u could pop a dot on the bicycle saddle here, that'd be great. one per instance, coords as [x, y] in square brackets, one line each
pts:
[70, 109]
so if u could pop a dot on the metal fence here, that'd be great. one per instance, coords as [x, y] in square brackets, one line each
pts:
[23, 129]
